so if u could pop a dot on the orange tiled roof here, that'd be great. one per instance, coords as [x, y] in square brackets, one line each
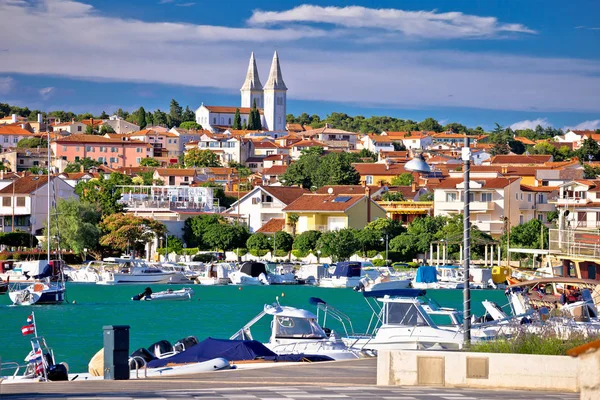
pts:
[379, 169]
[231, 110]
[14, 130]
[25, 185]
[83, 138]
[275, 170]
[521, 159]
[487, 183]
[324, 202]
[286, 194]
[176, 172]
[273, 225]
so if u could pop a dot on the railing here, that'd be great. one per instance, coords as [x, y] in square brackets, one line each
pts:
[459, 205]
[572, 201]
[413, 205]
[586, 224]
[168, 205]
[10, 365]
[137, 365]
[575, 243]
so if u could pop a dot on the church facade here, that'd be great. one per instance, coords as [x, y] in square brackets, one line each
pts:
[271, 101]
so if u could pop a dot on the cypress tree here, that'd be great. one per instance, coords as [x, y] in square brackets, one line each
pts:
[141, 117]
[237, 119]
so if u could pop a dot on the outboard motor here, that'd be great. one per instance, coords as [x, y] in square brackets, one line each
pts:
[160, 348]
[145, 295]
[57, 372]
[185, 343]
[143, 353]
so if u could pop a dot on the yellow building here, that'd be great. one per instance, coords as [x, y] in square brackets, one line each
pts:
[329, 212]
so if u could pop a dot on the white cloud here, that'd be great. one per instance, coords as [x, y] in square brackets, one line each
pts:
[46, 92]
[586, 126]
[6, 84]
[113, 48]
[425, 24]
[185, 4]
[530, 124]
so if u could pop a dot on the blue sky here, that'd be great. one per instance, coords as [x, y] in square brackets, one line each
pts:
[513, 62]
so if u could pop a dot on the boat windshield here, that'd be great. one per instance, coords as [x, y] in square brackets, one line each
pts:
[404, 314]
[291, 327]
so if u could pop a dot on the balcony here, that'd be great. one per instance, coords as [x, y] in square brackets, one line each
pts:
[545, 207]
[482, 206]
[575, 243]
[572, 201]
[526, 206]
[459, 206]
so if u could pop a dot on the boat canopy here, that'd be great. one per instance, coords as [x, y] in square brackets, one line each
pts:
[426, 274]
[231, 350]
[395, 293]
[347, 269]
[253, 269]
[284, 311]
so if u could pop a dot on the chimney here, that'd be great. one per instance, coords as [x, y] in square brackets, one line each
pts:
[414, 186]
[92, 121]
[368, 194]
[39, 118]
[72, 120]
[14, 118]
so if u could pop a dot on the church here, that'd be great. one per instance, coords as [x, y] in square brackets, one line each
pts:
[270, 101]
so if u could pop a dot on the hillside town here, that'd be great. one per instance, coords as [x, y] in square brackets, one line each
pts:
[246, 165]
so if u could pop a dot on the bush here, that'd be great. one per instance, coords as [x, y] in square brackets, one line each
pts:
[258, 253]
[190, 252]
[300, 253]
[393, 256]
[372, 253]
[379, 262]
[281, 253]
[205, 257]
[240, 252]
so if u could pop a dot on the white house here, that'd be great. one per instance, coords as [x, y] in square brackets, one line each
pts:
[417, 140]
[119, 125]
[24, 203]
[264, 203]
[10, 135]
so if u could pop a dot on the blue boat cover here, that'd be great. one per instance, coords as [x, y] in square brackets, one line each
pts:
[348, 269]
[426, 275]
[396, 293]
[316, 301]
[231, 350]
[449, 266]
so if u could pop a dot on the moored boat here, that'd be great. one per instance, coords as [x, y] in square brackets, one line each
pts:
[169, 294]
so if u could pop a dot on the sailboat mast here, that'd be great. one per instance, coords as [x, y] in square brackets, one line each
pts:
[48, 208]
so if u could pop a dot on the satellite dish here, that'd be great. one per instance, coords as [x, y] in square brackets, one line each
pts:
[330, 190]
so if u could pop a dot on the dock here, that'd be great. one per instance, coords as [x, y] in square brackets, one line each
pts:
[334, 380]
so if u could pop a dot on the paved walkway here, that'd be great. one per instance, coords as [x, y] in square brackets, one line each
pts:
[340, 380]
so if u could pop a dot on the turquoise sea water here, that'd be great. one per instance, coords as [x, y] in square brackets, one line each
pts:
[74, 331]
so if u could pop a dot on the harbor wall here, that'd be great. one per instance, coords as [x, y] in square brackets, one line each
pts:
[478, 370]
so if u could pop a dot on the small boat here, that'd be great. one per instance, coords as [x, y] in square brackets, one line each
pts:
[281, 274]
[297, 331]
[250, 274]
[132, 271]
[215, 274]
[4, 286]
[169, 294]
[47, 286]
[311, 274]
[86, 274]
[427, 278]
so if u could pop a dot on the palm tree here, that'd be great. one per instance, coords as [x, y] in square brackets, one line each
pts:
[293, 220]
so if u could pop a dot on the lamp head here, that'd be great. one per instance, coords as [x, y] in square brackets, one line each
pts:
[418, 164]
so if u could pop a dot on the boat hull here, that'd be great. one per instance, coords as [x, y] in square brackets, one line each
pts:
[133, 279]
[28, 296]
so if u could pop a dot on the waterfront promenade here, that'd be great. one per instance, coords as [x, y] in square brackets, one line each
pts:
[343, 379]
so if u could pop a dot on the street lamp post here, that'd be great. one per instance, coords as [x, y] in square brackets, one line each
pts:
[318, 256]
[466, 156]
[85, 255]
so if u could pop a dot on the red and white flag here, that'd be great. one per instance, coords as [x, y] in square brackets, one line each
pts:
[30, 319]
[28, 329]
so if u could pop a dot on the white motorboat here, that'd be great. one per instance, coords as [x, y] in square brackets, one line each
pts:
[169, 294]
[90, 273]
[297, 331]
[401, 323]
[215, 274]
[311, 274]
[427, 277]
[127, 270]
[385, 281]
[250, 274]
[46, 287]
[281, 274]
[181, 274]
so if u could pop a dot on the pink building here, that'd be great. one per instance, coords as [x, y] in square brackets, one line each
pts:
[176, 176]
[110, 152]
[10, 135]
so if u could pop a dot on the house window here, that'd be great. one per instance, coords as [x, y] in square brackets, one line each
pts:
[185, 178]
[6, 201]
[541, 199]
[369, 179]
[20, 201]
[16, 140]
[76, 158]
[450, 197]
[36, 163]
[540, 217]
[516, 196]
[486, 197]
[214, 120]
[138, 160]
[6, 139]
[138, 150]
[21, 162]
[79, 129]
[76, 148]
[529, 197]
[229, 121]
[521, 219]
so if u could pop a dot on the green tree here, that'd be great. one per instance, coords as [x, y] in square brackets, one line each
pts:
[149, 162]
[306, 242]
[258, 244]
[77, 224]
[140, 118]
[419, 234]
[201, 158]
[188, 115]
[499, 149]
[404, 179]
[393, 196]
[283, 242]
[430, 124]
[193, 125]
[30, 143]
[292, 220]
[399, 146]
[254, 121]
[226, 237]
[365, 153]
[159, 118]
[104, 193]
[175, 114]
[126, 231]
[237, 120]
[174, 244]
[104, 129]
[90, 130]
[194, 229]
[104, 115]
[590, 171]
[528, 235]
[312, 169]
[85, 163]
[368, 239]
[426, 196]
[589, 150]
[18, 239]
[340, 245]
[516, 146]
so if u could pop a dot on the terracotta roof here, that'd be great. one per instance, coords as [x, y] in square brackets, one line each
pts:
[294, 127]
[487, 183]
[326, 131]
[527, 188]
[147, 132]
[286, 194]
[90, 122]
[524, 140]
[276, 157]
[175, 172]
[135, 170]
[83, 138]
[275, 170]
[25, 185]
[346, 189]
[521, 159]
[379, 169]
[509, 170]
[231, 110]
[265, 145]
[273, 225]
[413, 134]
[395, 154]
[14, 130]
[324, 202]
[383, 139]
[220, 170]
[308, 143]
